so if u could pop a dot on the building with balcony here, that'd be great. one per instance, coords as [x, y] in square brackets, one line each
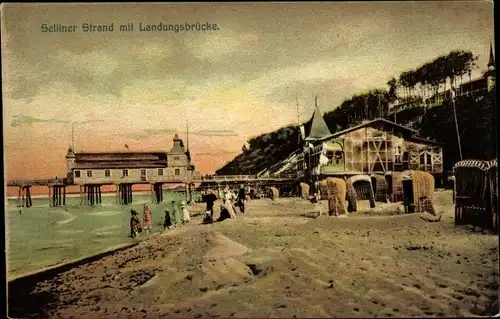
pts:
[378, 146]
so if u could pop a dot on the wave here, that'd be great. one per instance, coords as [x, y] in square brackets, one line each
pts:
[103, 233]
[67, 220]
[103, 229]
[71, 231]
[105, 213]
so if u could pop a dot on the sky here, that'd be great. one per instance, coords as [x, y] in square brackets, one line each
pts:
[140, 88]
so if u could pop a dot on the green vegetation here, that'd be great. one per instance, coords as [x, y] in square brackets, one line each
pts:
[421, 107]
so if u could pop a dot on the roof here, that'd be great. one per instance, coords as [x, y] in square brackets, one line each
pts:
[319, 129]
[411, 132]
[119, 165]
[70, 153]
[176, 149]
[370, 123]
[424, 140]
[121, 156]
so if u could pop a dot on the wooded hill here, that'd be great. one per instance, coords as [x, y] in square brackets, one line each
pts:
[423, 107]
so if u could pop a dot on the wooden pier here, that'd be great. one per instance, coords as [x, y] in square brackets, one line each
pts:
[90, 194]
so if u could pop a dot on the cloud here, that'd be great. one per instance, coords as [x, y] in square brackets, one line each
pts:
[221, 133]
[151, 132]
[19, 120]
[87, 121]
[220, 45]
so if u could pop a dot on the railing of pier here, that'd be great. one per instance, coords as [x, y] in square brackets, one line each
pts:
[42, 182]
[220, 178]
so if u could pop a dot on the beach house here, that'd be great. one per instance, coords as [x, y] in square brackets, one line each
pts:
[373, 147]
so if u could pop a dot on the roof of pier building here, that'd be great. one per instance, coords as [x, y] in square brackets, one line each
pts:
[121, 160]
[129, 159]
[178, 147]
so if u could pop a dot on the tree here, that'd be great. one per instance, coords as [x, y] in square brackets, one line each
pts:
[393, 87]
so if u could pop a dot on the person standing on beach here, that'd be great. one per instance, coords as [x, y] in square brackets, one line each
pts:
[147, 218]
[185, 212]
[210, 199]
[175, 214]
[240, 200]
[134, 224]
[167, 223]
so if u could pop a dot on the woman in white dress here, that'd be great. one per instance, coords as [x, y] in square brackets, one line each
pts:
[227, 202]
[185, 212]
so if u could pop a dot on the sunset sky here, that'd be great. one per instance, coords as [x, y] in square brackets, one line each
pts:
[139, 88]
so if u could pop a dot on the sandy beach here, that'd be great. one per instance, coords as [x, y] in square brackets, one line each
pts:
[276, 260]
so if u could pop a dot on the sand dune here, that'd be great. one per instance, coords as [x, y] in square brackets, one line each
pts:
[267, 264]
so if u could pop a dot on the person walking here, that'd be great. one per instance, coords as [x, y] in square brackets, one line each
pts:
[147, 219]
[185, 212]
[240, 200]
[167, 222]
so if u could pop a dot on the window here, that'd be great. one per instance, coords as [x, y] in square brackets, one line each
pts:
[406, 160]
[176, 158]
[338, 157]
[422, 159]
[143, 172]
[107, 173]
[397, 156]
[425, 162]
[160, 171]
[77, 174]
[177, 171]
[125, 172]
[89, 173]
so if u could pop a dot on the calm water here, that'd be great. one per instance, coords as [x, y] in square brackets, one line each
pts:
[42, 236]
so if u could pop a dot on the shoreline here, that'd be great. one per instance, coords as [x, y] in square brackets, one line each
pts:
[45, 271]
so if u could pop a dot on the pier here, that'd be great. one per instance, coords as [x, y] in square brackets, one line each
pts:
[90, 194]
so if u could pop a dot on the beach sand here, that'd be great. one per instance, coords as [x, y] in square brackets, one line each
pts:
[277, 261]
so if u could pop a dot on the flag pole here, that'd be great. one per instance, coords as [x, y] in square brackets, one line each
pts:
[187, 135]
[456, 122]
[298, 116]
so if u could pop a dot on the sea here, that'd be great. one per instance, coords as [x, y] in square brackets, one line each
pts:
[41, 236]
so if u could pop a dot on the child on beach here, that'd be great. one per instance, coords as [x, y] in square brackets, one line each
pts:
[135, 224]
[175, 214]
[167, 223]
[147, 218]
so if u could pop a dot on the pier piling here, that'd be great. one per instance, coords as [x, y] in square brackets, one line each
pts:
[24, 199]
[57, 195]
[125, 193]
[93, 194]
[158, 192]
